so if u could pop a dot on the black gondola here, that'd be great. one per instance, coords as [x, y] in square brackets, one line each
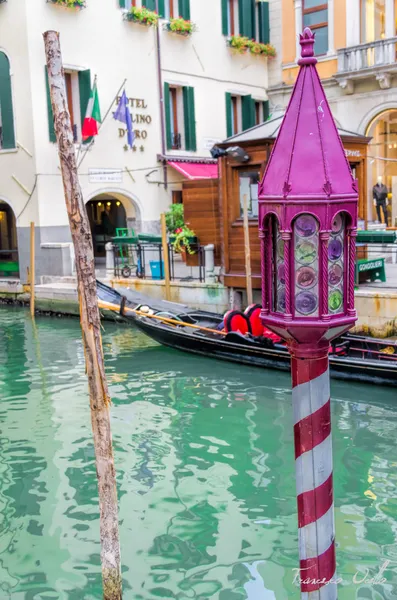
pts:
[354, 358]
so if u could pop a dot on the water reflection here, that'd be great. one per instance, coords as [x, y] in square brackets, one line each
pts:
[205, 471]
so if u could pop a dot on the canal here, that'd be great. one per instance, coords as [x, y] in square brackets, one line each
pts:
[205, 468]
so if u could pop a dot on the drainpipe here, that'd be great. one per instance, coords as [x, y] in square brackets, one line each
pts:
[161, 93]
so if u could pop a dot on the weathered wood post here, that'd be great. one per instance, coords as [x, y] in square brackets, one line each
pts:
[90, 324]
[247, 248]
[308, 220]
[166, 257]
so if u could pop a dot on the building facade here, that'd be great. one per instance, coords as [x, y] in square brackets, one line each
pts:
[186, 92]
[356, 43]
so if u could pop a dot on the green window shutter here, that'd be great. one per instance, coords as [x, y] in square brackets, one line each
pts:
[266, 113]
[245, 15]
[122, 3]
[150, 4]
[7, 114]
[229, 116]
[161, 8]
[264, 22]
[184, 9]
[85, 91]
[51, 130]
[225, 19]
[190, 119]
[167, 114]
[248, 110]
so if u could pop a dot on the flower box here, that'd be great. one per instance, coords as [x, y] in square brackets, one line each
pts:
[142, 16]
[69, 3]
[241, 45]
[180, 26]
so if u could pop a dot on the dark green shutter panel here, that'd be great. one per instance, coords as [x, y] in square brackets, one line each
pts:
[7, 114]
[150, 4]
[266, 113]
[229, 116]
[190, 119]
[264, 22]
[225, 20]
[245, 14]
[85, 91]
[51, 129]
[161, 8]
[184, 9]
[167, 113]
[248, 110]
[122, 3]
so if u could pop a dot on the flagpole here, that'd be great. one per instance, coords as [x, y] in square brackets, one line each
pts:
[79, 150]
[103, 120]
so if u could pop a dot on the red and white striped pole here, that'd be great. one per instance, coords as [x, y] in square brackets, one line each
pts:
[313, 463]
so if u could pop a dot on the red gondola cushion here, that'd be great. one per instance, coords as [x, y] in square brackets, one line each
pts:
[237, 321]
[253, 313]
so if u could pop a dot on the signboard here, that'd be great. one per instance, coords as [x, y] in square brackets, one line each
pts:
[356, 153]
[105, 175]
[141, 120]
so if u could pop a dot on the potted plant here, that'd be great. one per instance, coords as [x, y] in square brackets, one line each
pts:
[143, 16]
[69, 3]
[180, 26]
[238, 43]
[174, 218]
[241, 44]
[183, 241]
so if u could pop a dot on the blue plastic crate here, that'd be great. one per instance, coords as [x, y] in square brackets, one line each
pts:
[157, 269]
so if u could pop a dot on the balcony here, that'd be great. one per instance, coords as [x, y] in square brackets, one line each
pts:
[373, 60]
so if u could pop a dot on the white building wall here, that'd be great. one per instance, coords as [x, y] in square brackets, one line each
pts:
[97, 38]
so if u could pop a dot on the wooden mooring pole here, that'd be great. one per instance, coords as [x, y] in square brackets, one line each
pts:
[32, 270]
[90, 324]
[247, 251]
[166, 258]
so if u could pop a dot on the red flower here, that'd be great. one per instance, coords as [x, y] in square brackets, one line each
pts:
[179, 230]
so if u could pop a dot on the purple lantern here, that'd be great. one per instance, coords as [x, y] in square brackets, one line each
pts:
[308, 203]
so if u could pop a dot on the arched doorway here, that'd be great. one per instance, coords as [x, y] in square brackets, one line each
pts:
[383, 163]
[9, 264]
[108, 212]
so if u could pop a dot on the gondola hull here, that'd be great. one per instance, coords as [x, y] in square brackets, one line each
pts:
[345, 368]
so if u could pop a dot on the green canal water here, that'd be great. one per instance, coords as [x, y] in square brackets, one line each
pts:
[205, 469]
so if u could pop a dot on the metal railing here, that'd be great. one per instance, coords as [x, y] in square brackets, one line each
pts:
[146, 261]
[367, 56]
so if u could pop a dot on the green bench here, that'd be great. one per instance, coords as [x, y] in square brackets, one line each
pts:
[370, 269]
[9, 268]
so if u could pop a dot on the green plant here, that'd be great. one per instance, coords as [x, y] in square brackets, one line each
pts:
[179, 25]
[70, 3]
[182, 240]
[174, 218]
[143, 16]
[242, 44]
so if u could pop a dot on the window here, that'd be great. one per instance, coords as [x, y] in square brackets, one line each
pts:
[78, 89]
[246, 17]
[241, 113]
[261, 111]
[128, 4]
[7, 134]
[315, 16]
[180, 117]
[232, 17]
[248, 186]
[171, 9]
[373, 20]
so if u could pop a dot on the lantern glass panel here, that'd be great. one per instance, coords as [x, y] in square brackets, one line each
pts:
[279, 270]
[336, 265]
[306, 265]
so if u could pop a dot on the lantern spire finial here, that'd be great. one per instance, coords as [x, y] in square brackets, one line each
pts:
[307, 40]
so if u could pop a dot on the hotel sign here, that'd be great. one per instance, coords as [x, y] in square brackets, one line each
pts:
[105, 175]
[140, 121]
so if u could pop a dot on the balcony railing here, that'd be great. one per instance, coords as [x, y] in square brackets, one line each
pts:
[381, 53]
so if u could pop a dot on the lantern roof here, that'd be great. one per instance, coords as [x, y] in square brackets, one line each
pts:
[308, 157]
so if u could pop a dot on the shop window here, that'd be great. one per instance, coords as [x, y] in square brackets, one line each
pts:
[315, 16]
[78, 89]
[248, 186]
[180, 117]
[383, 165]
[7, 134]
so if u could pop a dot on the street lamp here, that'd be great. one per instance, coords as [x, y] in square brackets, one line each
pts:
[308, 203]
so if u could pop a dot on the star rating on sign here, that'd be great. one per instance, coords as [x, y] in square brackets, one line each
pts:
[134, 148]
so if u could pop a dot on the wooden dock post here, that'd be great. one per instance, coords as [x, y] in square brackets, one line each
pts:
[166, 258]
[90, 324]
[247, 251]
[32, 270]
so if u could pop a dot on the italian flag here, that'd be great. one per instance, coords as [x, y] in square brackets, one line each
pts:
[92, 116]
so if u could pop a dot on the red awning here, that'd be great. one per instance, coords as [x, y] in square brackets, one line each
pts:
[195, 170]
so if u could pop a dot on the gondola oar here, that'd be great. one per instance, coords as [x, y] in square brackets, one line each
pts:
[114, 307]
